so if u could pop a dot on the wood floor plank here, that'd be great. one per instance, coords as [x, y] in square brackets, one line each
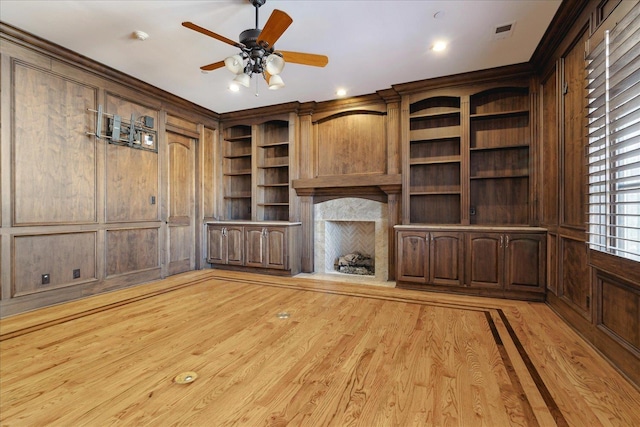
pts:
[346, 355]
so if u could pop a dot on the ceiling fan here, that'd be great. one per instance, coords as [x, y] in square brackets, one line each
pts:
[257, 50]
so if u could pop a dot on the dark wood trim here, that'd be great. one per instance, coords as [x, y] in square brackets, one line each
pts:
[621, 268]
[522, 70]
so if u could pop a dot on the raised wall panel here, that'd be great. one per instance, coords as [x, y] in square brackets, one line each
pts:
[132, 175]
[180, 248]
[131, 250]
[575, 280]
[54, 169]
[619, 310]
[352, 144]
[549, 163]
[57, 255]
[209, 161]
[573, 144]
[552, 263]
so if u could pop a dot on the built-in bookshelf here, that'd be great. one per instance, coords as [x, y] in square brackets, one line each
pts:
[237, 172]
[273, 171]
[469, 156]
[499, 143]
[435, 161]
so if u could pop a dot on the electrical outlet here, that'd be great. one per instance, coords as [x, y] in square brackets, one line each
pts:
[45, 279]
[153, 200]
[76, 273]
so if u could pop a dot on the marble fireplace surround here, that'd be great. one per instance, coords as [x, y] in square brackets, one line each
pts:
[351, 224]
[361, 197]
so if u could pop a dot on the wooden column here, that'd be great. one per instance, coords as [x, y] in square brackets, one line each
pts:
[306, 169]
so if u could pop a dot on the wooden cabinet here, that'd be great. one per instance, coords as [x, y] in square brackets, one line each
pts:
[271, 247]
[266, 247]
[467, 155]
[511, 262]
[474, 260]
[430, 257]
[225, 244]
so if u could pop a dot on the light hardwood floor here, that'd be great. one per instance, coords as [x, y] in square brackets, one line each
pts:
[346, 355]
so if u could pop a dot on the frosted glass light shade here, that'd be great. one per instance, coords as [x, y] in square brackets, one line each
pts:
[234, 64]
[243, 79]
[274, 64]
[275, 82]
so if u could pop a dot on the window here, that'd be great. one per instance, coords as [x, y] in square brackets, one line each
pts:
[613, 82]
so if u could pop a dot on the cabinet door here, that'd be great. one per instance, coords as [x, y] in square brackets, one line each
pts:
[413, 257]
[276, 245]
[254, 246]
[216, 245]
[525, 262]
[485, 261]
[446, 265]
[235, 239]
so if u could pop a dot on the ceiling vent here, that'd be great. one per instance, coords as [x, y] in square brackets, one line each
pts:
[503, 31]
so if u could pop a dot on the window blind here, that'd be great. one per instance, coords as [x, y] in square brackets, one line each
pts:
[613, 152]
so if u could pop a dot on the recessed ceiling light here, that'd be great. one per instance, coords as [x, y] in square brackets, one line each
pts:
[233, 87]
[341, 92]
[140, 35]
[439, 46]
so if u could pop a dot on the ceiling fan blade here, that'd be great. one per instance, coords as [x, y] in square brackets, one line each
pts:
[304, 58]
[277, 23]
[213, 66]
[206, 32]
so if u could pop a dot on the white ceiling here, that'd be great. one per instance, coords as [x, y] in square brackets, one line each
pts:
[371, 44]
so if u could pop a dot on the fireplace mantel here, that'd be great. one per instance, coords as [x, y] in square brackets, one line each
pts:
[375, 187]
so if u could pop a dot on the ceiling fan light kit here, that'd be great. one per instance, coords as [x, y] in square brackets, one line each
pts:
[257, 51]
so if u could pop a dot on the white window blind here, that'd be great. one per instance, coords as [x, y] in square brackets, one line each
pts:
[613, 83]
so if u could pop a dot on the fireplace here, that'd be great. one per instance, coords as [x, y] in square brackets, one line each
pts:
[351, 225]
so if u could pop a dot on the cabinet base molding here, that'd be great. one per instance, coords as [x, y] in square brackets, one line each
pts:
[466, 290]
[257, 270]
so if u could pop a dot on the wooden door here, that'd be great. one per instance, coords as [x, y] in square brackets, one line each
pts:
[413, 257]
[485, 260]
[254, 239]
[446, 267]
[181, 204]
[234, 239]
[525, 258]
[216, 244]
[276, 246]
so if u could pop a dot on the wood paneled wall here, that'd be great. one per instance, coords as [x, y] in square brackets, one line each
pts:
[78, 215]
[596, 293]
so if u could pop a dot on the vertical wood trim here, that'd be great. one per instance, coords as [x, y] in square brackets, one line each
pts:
[5, 176]
[393, 217]
[256, 139]
[101, 198]
[404, 148]
[465, 159]
[294, 169]
[393, 138]
[306, 215]
[163, 195]
[535, 161]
